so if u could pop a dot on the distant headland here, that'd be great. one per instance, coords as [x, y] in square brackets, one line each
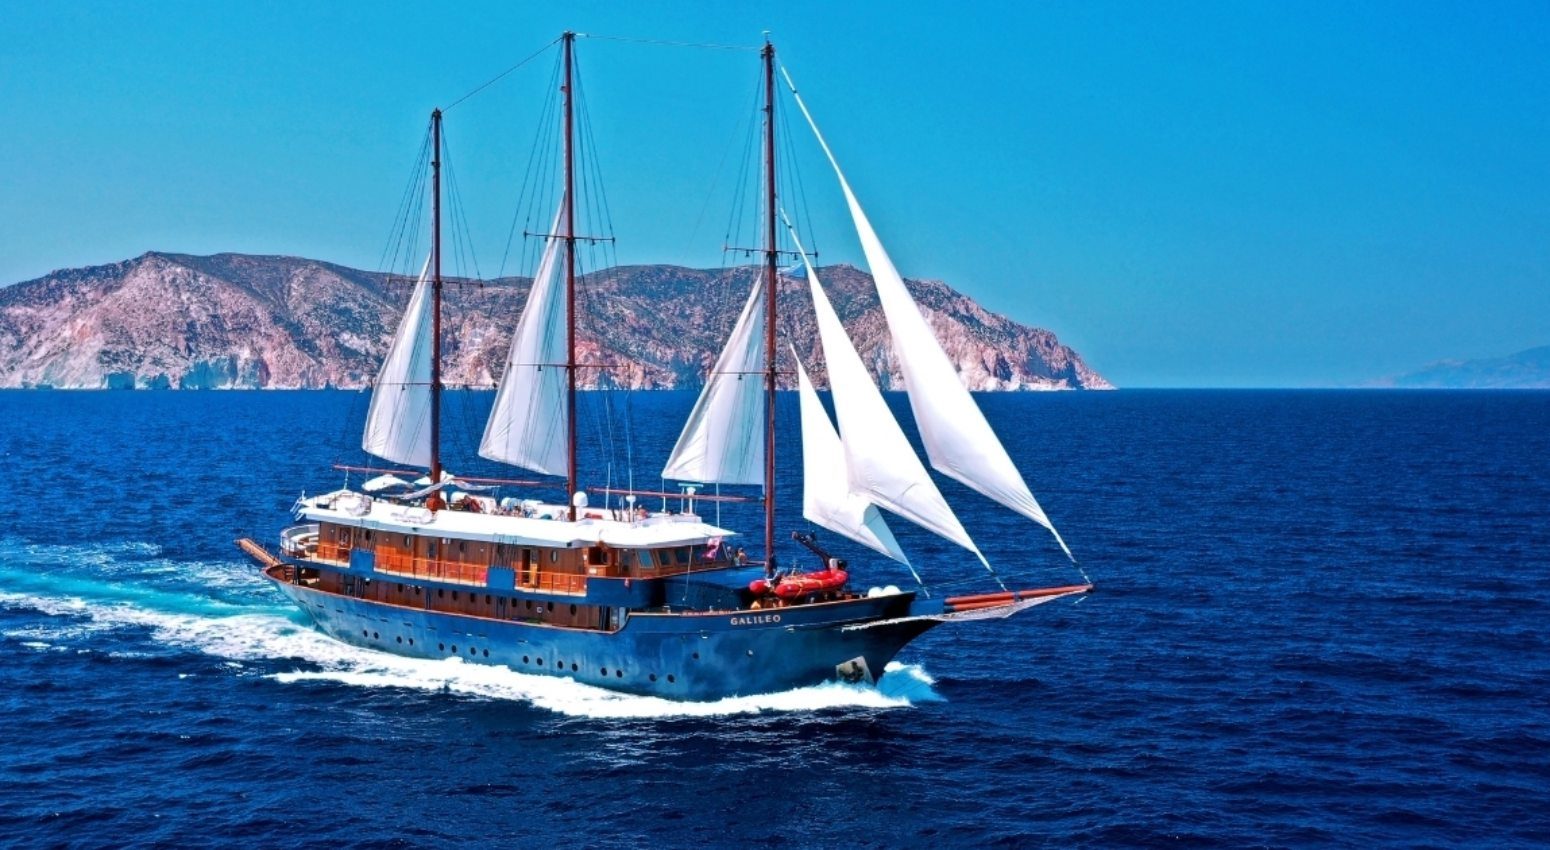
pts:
[1525, 370]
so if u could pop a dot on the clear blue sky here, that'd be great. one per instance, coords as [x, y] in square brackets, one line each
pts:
[1238, 194]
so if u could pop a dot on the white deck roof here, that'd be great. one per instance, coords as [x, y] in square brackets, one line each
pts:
[346, 507]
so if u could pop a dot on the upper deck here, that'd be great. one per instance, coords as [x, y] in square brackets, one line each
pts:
[532, 524]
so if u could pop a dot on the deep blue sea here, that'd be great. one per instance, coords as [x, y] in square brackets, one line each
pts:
[1321, 620]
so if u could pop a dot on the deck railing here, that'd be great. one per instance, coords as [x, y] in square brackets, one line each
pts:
[455, 572]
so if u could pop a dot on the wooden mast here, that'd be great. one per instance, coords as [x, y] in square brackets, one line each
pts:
[435, 502]
[570, 283]
[771, 262]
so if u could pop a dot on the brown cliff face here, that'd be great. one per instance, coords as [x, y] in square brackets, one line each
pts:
[241, 321]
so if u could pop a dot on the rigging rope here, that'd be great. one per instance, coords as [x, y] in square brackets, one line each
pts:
[498, 77]
[665, 43]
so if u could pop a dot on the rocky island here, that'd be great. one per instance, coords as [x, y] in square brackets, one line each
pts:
[238, 321]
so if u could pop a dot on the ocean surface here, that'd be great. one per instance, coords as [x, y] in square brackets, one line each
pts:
[1320, 622]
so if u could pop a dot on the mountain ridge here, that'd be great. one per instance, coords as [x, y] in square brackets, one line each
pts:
[228, 321]
[1528, 369]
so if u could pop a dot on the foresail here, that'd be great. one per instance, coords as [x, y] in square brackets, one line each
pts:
[527, 426]
[879, 461]
[827, 499]
[958, 440]
[398, 421]
[722, 441]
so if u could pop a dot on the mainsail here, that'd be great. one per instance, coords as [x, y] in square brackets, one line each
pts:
[826, 495]
[527, 425]
[879, 461]
[398, 421]
[721, 442]
[958, 440]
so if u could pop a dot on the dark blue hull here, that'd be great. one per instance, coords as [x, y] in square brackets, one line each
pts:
[680, 656]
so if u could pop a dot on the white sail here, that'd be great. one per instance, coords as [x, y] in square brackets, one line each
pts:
[398, 423]
[958, 440]
[722, 441]
[826, 495]
[527, 425]
[879, 461]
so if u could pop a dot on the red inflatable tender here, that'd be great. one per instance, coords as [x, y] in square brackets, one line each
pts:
[802, 584]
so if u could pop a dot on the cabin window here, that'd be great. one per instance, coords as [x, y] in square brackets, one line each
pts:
[406, 540]
[683, 554]
[554, 556]
[462, 546]
[573, 609]
[597, 555]
[646, 561]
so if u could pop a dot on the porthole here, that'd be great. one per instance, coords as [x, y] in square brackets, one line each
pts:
[670, 678]
[488, 599]
[440, 593]
[573, 610]
[454, 596]
[462, 546]
[539, 661]
[554, 556]
[411, 641]
[653, 677]
[528, 603]
[364, 633]
[399, 639]
[605, 671]
[696, 656]
[375, 636]
[472, 651]
[574, 668]
[618, 674]
[441, 647]
[454, 647]
[524, 660]
[486, 653]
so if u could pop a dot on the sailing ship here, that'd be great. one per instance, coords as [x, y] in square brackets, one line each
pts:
[623, 597]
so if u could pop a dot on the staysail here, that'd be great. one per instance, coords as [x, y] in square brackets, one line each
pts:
[827, 499]
[722, 441]
[958, 440]
[398, 421]
[879, 461]
[527, 426]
